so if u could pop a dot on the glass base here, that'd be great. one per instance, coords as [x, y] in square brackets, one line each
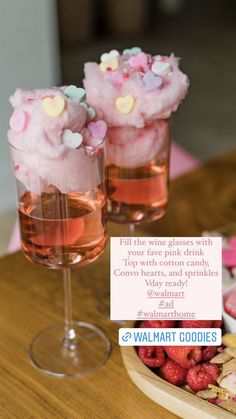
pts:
[51, 355]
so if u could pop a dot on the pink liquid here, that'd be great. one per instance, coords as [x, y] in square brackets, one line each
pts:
[137, 195]
[61, 230]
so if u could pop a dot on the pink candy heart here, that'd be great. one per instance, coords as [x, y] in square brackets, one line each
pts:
[152, 82]
[139, 61]
[98, 129]
[229, 257]
[115, 77]
[19, 121]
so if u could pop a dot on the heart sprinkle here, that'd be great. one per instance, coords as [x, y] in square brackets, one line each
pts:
[98, 129]
[19, 121]
[161, 68]
[71, 139]
[132, 51]
[53, 106]
[91, 113]
[77, 94]
[152, 82]
[125, 104]
[116, 78]
[112, 64]
[139, 61]
[108, 55]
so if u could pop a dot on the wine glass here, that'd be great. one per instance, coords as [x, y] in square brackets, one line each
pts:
[63, 228]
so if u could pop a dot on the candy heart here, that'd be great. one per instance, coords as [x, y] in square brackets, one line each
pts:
[19, 121]
[138, 61]
[91, 113]
[112, 64]
[71, 139]
[132, 51]
[125, 104]
[98, 129]
[107, 55]
[77, 94]
[152, 82]
[161, 68]
[116, 78]
[53, 106]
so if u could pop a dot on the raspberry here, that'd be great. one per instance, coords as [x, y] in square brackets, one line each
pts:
[173, 373]
[152, 356]
[216, 323]
[145, 323]
[208, 352]
[200, 376]
[162, 323]
[186, 356]
[196, 323]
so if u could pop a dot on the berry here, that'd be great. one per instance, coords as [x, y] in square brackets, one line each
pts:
[230, 304]
[162, 323]
[208, 352]
[216, 323]
[173, 373]
[186, 356]
[145, 323]
[196, 323]
[152, 356]
[199, 376]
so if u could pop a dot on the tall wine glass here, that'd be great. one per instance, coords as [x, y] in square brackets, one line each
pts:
[63, 230]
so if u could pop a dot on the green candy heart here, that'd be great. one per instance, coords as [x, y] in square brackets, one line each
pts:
[77, 94]
[132, 51]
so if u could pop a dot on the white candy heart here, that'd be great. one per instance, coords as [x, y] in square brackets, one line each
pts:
[108, 55]
[91, 113]
[161, 68]
[71, 139]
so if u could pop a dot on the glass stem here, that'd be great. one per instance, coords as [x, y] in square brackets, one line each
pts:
[70, 333]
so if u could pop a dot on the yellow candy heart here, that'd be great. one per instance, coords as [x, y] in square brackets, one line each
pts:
[125, 104]
[53, 106]
[112, 63]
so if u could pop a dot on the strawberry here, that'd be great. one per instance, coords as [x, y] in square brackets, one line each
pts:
[199, 376]
[195, 323]
[152, 356]
[173, 372]
[216, 323]
[162, 323]
[186, 356]
[208, 352]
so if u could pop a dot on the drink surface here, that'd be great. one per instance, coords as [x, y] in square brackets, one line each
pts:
[63, 230]
[139, 194]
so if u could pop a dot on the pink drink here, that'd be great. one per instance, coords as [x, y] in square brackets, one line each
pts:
[60, 230]
[137, 194]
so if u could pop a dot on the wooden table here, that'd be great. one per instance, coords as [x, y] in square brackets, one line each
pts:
[31, 298]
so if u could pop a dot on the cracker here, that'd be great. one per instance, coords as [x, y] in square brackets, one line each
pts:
[229, 367]
[229, 339]
[229, 405]
[207, 394]
[231, 351]
[221, 358]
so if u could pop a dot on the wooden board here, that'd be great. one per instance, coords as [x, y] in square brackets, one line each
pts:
[175, 399]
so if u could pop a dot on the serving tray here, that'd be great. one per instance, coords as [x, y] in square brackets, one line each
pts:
[175, 399]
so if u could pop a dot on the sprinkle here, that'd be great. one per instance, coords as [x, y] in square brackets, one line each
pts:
[111, 64]
[19, 121]
[77, 94]
[161, 68]
[152, 82]
[125, 104]
[139, 61]
[108, 55]
[132, 51]
[53, 106]
[98, 129]
[71, 139]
